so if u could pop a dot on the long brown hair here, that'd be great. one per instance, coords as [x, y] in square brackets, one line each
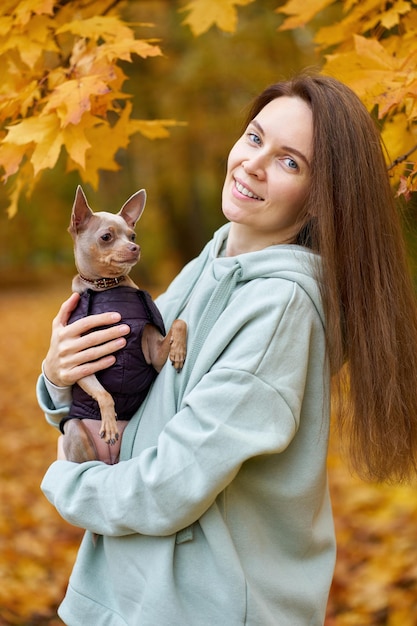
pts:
[351, 219]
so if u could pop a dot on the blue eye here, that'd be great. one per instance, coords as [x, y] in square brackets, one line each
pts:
[291, 163]
[254, 137]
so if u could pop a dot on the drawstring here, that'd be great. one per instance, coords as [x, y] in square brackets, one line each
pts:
[215, 306]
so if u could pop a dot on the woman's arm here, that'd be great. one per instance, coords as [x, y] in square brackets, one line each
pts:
[169, 486]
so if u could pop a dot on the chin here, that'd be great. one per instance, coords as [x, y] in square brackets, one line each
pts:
[231, 211]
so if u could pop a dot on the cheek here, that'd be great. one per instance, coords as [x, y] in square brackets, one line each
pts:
[290, 200]
[235, 157]
[297, 193]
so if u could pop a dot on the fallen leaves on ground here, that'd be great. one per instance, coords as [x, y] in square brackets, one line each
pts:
[37, 548]
[375, 582]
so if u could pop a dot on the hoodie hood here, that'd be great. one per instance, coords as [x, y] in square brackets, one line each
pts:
[289, 262]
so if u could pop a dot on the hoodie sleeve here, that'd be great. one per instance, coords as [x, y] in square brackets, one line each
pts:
[247, 404]
[54, 401]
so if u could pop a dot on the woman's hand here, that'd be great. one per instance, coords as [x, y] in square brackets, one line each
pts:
[73, 354]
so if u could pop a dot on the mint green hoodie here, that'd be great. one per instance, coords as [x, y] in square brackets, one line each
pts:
[218, 513]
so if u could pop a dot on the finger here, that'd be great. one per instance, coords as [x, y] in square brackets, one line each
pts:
[93, 354]
[92, 322]
[66, 309]
[92, 367]
[96, 344]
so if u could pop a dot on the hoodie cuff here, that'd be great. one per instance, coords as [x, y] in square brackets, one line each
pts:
[60, 396]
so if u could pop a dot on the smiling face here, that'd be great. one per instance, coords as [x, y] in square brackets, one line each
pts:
[268, 176]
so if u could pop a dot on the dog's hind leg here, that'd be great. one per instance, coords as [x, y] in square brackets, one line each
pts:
[77, 442]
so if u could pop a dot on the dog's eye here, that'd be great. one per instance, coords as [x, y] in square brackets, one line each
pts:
[106, 237]
[133, 237]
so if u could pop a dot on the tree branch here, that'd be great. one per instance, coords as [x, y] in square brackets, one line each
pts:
[401, 158]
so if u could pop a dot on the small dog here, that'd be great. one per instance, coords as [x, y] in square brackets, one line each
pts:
[105, 251]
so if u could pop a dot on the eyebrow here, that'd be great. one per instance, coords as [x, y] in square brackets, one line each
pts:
[286, 148]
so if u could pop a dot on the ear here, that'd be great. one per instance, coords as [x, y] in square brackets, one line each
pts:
[81, 212]
[133, 208]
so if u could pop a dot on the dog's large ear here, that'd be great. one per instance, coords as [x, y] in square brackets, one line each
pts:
[133, 208]
[81, 212]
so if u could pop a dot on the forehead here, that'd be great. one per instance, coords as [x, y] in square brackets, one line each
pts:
[288, 120]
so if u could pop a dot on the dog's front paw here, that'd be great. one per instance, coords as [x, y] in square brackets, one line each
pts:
[177, 359]
[178, 344]
[109, 432]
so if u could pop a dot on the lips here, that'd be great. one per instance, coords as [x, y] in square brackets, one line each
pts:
[245, 191]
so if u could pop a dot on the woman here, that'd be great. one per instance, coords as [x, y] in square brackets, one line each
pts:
[219, 512]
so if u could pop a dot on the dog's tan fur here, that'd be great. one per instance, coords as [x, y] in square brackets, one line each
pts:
[104, 246]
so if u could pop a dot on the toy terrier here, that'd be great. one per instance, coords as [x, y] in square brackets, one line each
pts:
[105, 250]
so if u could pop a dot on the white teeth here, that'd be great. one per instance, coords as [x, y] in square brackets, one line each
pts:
[246, 192]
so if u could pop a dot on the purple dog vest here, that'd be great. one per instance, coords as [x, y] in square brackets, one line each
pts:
[129, 378]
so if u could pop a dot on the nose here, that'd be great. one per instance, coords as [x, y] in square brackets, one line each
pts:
[255, 166]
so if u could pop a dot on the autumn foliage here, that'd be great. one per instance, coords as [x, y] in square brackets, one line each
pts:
[61, 89]
[63, 99]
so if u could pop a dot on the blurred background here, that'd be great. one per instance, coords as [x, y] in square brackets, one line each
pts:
[207, 82]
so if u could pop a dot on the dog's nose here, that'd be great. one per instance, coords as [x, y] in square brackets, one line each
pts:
[134, 247]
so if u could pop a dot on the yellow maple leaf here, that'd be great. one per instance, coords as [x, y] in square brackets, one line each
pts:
[391, 17]
[44, 133]
[374, 52]
[377, 74]
[25, 9]
[76, 142]
[207, 13]
[98, 27]
[17, 96]
[394, 95]
[99, 157]
[36, 40]
[73, 98]
[399, 138]
[11, 156]
[104, 141]
[14, 196]
[360, 18]
[300, 12]
[47, 151]
[152, 129]
[6, 23]
[31, 129]
[124, 48]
